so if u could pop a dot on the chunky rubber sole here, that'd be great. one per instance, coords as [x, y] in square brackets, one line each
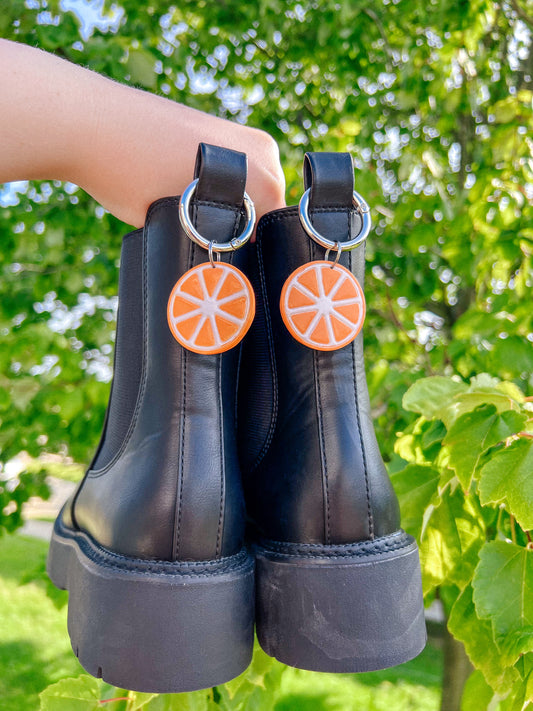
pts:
[344, 608]
[154, 626]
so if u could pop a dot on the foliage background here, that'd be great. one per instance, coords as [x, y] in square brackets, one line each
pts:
[433, 100]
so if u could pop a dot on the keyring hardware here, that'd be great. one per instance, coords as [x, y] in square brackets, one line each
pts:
[210, 249]
[338, 248]
[196, 237]
[212, 305]
[360, 205]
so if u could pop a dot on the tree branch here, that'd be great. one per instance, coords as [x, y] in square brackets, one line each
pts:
[522, 14]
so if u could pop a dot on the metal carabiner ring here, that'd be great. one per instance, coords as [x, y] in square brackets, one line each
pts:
[361, 207]
[196, 237]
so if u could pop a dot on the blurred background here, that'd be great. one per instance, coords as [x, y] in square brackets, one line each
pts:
[433, 100]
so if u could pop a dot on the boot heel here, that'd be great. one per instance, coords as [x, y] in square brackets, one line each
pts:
[154, 626]
[345, 608]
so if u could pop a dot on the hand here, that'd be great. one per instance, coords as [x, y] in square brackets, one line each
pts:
[126, 181]
[125, 147]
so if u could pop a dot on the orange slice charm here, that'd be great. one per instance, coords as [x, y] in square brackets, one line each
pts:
[323, 306]
[211, 308]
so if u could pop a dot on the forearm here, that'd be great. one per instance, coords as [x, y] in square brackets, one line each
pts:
[124, 146]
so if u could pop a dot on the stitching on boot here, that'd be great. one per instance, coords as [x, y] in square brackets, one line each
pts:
[237, 378]
[316, 366]
[223, 205]
[322, 446]
[179, 493]
[365, 466]
[367, 473]
[220, 532]
[179, 497]
[236, 225]
[272, 353]
[150, 566]
[175, 199]
[292, 211]
[220, 528]
[268, 219]
[221, 448]
[384, 544]
[218, 547]
[320, 420]
[236, 389]
[366, 543]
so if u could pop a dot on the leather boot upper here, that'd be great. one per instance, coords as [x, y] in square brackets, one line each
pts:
[311, 464]
[165, 481]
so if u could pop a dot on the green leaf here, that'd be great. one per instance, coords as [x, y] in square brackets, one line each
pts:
[484, 381]
[448, 399]
[477, 694]
[5, 399]
[467, 402]
[428, 396]
[503, 586]
[70, 402]
[257, 688]
[432, 436]
[513, 356]
[505, 110]
[39, 576]
[23, 390]
[350, 126]
[54, 237]
[416, 487]
[514, 645]
[476, 635]
[74, 694]
[473, 433]
[522, 697]
[453, 535]
[421, 443]
[253, 676]
[513, 391]
[141, 66]
[141, 700]
[507, 477]
[524, 665]
[192, 701]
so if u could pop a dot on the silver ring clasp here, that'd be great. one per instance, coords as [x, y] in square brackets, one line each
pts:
[196, 237]
[362, 208]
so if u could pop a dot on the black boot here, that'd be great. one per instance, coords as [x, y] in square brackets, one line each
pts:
[338, 581]
[151, 545]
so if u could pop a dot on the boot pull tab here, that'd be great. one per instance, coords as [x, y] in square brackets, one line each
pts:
[221, 175]
[322, 303]
[330, 179]
[329, 184]
[220, 206]
[212, 305]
